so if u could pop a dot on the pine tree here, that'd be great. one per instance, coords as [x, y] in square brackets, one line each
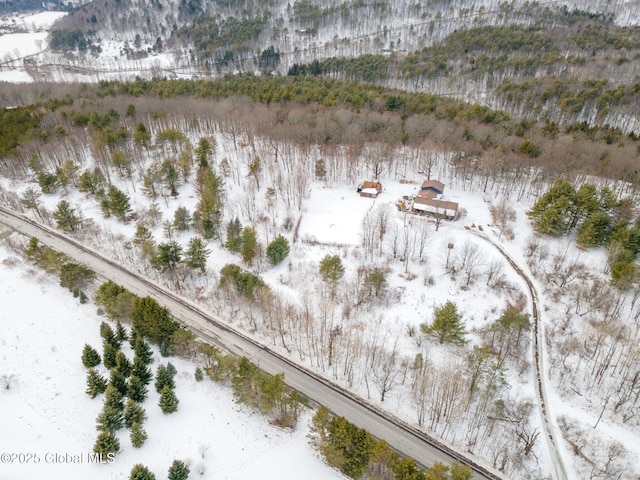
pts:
[110, 419]
[96, 383]
[168, 401]
[116, 203]
[141, 371]
[133, 413]
[164, 378]
[594, 230]
[196, 254]
[90, 357]
[109, 354]
[199, 376]
[118, 381]
[277, 250]
[249, 245]
[169, 256]
[143, 350]
[140, 472]
[122, 364]
[106, 443]
[113, 397]
[331, 268]
[109, 336]
[182, 219]
[178, 471]
[137, 435]
[137, 389]
[121, 333]
[447, 325]
[66, 217]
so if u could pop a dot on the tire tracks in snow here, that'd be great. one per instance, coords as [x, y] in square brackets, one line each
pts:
[558, 467]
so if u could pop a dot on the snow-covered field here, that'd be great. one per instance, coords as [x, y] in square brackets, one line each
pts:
[21, 37]
[46, 414]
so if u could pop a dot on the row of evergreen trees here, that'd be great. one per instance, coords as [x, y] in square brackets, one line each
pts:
[358, 455]
[73, 276]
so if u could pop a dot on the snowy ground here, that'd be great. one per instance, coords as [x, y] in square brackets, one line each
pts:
[47, 415]
[20, 37]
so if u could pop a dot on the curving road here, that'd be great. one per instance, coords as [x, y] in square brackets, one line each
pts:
[558, 467]
[400, 436]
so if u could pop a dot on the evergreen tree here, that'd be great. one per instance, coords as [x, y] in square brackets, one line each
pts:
[594, 230]
[75, 277]
[407, 469]
[153, 321]
[171, 177]
[113, 397]
[209, 208]
[108, 335]
[133, 413]
[196, 254]
[234, 227]
[140, 370]
[121, 333]
[140, 472]
[375, 283]
[49, 182]
[277, 250]
[109, 355]
[66, 217]
[178, 471]
[331, 268]
[198, 375]
[119, 381]
[181, 219]
[164, 378]
[117, 302]
[90, 182]
[116, 203]
[249, 245]
[203, 150]
[447, 325]
[90, 357]
[169, 256]
[110, 419]
[122, 364]
[106, 443]
[553, 212]
[137, 389]
[168, 401]
[96, 383]
[141, 135]
[143, 350]
[138, 435]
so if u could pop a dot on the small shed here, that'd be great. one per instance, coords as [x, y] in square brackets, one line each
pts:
[370, 189]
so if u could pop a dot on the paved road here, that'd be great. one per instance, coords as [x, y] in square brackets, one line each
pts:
[400, 436]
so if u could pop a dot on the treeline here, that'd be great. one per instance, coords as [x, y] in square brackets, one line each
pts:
[73, 276]
[222, 39]
[73, 40]
[599, 218]
[358, 455]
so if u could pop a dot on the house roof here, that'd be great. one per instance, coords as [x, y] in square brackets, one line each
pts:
[435, 205]
[376, 185]
[435, 184]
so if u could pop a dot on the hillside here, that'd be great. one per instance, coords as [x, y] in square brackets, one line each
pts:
[544, 61]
